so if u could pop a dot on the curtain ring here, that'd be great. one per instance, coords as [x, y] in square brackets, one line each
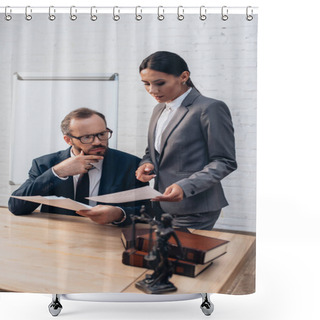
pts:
[93, 17]
[203, 13]
[180, 13]
[52, 16]
[116, 17]
[73, 17]
[224, 13]
[249, 17]
[8, 17]
[160, 16]
[138, 16]
[28, 16]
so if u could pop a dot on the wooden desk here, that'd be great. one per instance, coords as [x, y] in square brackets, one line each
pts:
[49, 253]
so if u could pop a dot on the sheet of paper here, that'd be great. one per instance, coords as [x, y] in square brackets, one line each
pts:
[55, 201]
[127, 196]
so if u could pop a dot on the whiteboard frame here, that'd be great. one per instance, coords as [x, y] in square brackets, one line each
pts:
[44, 76]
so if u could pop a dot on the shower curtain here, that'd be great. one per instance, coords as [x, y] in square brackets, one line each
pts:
[66, 58]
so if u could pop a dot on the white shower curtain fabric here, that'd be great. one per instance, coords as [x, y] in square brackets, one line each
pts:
[49, 68]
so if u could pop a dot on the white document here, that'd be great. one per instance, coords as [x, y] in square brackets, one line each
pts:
[128, 196]
[55, 201]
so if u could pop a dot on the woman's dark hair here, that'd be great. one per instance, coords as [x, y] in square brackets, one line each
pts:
[167, 62]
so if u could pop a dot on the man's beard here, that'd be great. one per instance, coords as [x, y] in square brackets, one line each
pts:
[99, 153]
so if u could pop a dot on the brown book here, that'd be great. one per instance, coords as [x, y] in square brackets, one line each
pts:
[132, 257]
[195, 248]
[126, 235]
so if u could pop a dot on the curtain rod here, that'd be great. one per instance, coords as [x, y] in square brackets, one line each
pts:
[125, 9]
[138, 11]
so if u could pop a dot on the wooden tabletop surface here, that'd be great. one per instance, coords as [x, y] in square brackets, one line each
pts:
[50, 253]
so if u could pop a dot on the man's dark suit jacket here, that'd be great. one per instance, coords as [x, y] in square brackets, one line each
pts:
[118, 174]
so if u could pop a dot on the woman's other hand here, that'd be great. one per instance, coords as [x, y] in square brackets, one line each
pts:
[173, 193]
[145, 172]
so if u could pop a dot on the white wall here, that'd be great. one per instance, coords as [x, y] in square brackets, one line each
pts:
[221, 57]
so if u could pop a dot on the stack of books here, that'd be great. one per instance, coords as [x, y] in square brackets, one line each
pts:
[196, 255]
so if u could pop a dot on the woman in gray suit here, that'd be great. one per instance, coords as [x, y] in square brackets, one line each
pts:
[190, 144]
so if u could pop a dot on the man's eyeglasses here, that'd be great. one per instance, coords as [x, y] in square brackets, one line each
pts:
[89, 138]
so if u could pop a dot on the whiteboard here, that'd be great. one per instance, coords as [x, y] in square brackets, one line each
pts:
[39, 103]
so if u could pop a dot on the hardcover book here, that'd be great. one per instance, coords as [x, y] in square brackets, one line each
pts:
[195, 248]
[135, 258]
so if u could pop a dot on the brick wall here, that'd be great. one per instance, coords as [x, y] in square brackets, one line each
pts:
[221, 56]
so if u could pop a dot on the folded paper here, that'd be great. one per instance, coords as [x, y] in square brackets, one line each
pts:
[128, 196]
[54, 201]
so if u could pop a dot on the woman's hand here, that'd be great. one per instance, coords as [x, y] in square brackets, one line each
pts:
[145, 172]
[173, 193]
